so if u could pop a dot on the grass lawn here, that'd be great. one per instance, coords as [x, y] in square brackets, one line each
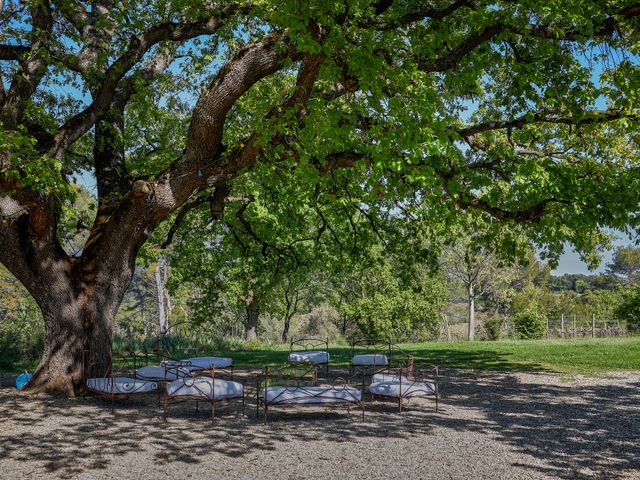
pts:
[565, 356]
[588, 356]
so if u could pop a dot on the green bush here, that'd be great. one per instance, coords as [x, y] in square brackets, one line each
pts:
[493, 327]
[21, 338]
[628, 310]
[530, 325]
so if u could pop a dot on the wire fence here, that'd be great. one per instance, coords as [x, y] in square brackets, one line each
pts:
[580, 326]
[564, 326]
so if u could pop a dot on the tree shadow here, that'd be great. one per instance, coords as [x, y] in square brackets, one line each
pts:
[583, 430]
[66, 437]
[480, 359]
[589, 429]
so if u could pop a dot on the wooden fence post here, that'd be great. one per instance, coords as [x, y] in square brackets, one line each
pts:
[445, 327]
[548, 327]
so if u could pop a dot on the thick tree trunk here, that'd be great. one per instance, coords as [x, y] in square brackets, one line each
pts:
[252, 319]
[77, 343]
[78, 335]
[472, 311]
[78, 311]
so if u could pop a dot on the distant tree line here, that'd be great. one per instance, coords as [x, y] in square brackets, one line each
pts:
[405, 290]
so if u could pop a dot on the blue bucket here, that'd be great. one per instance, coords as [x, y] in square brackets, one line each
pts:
[22, 380]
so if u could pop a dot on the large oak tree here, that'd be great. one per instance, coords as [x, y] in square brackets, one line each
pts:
[525, 111]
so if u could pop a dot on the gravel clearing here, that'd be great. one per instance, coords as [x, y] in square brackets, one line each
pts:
[491, 425]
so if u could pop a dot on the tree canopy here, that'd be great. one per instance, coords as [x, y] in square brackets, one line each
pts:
[526, 112]
[626, 262]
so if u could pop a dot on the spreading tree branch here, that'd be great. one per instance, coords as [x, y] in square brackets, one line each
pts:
[180, 216]
[110, 81]
[32, 67]
[453, 57]
[587, 118]
[13, 52]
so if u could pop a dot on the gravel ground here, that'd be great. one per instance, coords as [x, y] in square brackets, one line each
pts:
[506, 426]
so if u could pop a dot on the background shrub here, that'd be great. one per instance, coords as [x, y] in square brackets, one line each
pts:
[21, 337]
[628, 310]
[493, 327]
[530, 325]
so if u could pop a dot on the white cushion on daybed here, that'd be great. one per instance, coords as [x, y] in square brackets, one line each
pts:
[205, 387]
[203, 362]
[121, 385]
[309, 357]
[277, 394]
[370, 359]
[404, 389]
[387, 377]
[157, 372]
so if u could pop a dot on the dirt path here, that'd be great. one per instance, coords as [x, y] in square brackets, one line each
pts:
[507, 426]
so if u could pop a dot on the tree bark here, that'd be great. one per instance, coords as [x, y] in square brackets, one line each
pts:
[472, 311]
[79, 323]
[286, 327]
[78, 296]
[252, 318]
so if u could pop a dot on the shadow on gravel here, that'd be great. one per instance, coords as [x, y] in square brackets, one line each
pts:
[69, 436]
[579, 431]
[584, 431]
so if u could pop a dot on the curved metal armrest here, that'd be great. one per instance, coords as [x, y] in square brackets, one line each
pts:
[309, 344]
[287, 376]
[421, 373]
[371, 345]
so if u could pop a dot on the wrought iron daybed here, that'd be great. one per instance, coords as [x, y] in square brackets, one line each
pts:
[404, 383]
[369, 354]
[309, 350]
[154, 365]
[195, 363]
[117, 380]
[205, 364]
[279, 387]
[202, 386]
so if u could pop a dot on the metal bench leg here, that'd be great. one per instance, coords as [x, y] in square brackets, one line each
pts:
[166, 408]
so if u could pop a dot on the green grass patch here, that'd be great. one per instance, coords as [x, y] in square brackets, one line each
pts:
[583, 356]
[586, 356]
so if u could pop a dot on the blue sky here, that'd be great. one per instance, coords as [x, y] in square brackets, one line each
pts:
[570, 261]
